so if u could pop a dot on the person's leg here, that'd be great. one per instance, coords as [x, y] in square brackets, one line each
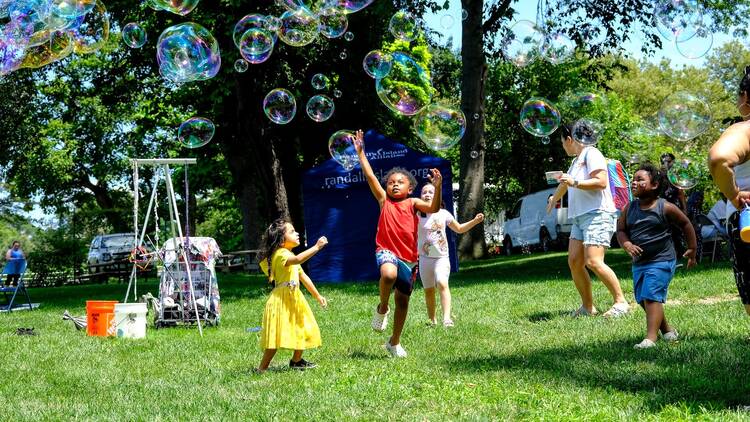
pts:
[655, 320]
[427, 275]
[15, 279]
[445, 299]
[595, 262]
[297, 355]
[739, 253]
[399, 318]
[580, 275]
[429, 298]
[266, 359]
[388, 273]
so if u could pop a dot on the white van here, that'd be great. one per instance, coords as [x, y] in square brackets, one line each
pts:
[529, 224]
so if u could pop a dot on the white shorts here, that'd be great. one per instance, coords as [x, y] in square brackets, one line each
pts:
[433, 270]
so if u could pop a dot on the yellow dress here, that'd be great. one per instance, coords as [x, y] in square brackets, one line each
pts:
[288, 321]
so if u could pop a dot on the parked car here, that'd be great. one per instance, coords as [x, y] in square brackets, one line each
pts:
[530, 225]
[109, 252]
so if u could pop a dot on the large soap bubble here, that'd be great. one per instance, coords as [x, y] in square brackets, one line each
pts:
[440, 126]
[333, 22]
[350, 6]
[299, 28]
[524, 43]
[253, 20]
[377, 64]
[187, 52]
[293, 5]
[320, 108]
[696, 46]
[179, 7]
[683, 116]
[70, 8]
[133, 35]
[557, 48]
[256, 45]
[678, 19]
[539, 116]
[684, 173]
[407, 88]
[280, 106]
[196, 132]
[586, 132]
[320, 81]
[92, 30]
[46, 47]
[341, 147]
[403, 26]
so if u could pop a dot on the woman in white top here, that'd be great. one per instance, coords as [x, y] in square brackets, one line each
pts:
[592, 210]
[434, 263]
[729, 161]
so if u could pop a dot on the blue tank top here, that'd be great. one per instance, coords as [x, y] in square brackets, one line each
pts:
[650, 230]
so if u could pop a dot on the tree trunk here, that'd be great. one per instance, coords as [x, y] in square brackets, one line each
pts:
[106, 203]
[471, 179]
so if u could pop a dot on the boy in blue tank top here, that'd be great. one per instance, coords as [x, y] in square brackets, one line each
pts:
[643, 230]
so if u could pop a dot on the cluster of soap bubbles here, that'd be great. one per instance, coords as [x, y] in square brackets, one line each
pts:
[35, 33]
[341, 147]
[526, 42]
[196, 132]
[681, 22]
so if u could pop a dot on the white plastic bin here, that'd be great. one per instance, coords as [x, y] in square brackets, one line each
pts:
[130, 320]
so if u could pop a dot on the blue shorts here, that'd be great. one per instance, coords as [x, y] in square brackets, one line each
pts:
[651, 280]
[406, 275]
[594, 228]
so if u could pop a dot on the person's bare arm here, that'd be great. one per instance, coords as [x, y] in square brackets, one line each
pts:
[377, 190]
[311, 288]
[623, 236]
[675, 216]
[732, 148]
[597, 181]
[308, 253]
[561, 190]
[431, 207]
[464, 227]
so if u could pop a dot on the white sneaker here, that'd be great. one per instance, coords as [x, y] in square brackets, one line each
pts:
[670, 336]
[396, 351]
[380, 321]
[617, 310]
[645, 344]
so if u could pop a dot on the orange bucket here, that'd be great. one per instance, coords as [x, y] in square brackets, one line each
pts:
[99, 317]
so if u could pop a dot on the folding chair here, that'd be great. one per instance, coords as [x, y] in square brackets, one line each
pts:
[10, 299]
[719, 237]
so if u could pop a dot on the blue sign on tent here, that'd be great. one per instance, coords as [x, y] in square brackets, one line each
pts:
[338, 204]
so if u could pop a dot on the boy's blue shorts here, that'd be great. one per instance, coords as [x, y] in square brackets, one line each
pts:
[651, 280]
[406, 275]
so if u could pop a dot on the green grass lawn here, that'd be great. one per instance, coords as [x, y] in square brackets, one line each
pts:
[512, 355]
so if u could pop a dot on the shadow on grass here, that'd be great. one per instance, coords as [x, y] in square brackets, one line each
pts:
[696, 373]
[547, 315]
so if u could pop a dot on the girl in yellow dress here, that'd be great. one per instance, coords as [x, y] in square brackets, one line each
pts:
[288, 321]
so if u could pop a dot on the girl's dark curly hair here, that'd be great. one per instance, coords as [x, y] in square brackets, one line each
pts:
[657, 176]
[745, 82]
[273, 239]
[405, 172]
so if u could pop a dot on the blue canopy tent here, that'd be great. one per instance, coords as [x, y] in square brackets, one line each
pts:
[338, 204]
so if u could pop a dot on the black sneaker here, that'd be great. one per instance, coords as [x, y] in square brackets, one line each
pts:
[302, 365]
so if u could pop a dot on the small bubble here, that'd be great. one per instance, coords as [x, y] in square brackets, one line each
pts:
[337, 93]
[474, 154]
[545, 140]
[476, 116]
[349, 36]
[550, 159]
[464, 14]
[343, 55]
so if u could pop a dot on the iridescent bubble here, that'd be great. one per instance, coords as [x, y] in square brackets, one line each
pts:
[474, 154]
[256, 45]
[539, 116]
[280, 106]
[92, 30]
[476, 116]
[584, 104]
[586, 132]
[349, 36]
[684, 173]
[377, 64]
[251, 21]
[447, 21]
[187, 52]
[343, 55]
[337, 93]
[550, 159]
[545, 140]
[179, 7]
[341, 147]
[69, 8]
[272, 23]
[333, 22]
[557, 48]
[464, 14]
[407, 88]
[46, 47]
[241, 66]
[320, 108]
[299, 28]
[320, 81]
[350, 6]
[683, 116]
[678, 19]
[196, 132]
[523, 43]
[133, 35]
[440, 126]
[696, 46]
[403, 26]
[293, 5]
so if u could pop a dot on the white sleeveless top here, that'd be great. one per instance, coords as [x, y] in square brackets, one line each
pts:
[742, 179]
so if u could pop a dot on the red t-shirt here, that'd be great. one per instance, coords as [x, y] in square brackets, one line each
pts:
[397, 229]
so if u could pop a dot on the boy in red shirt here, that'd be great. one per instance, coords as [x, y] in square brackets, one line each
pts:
[396, 240]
